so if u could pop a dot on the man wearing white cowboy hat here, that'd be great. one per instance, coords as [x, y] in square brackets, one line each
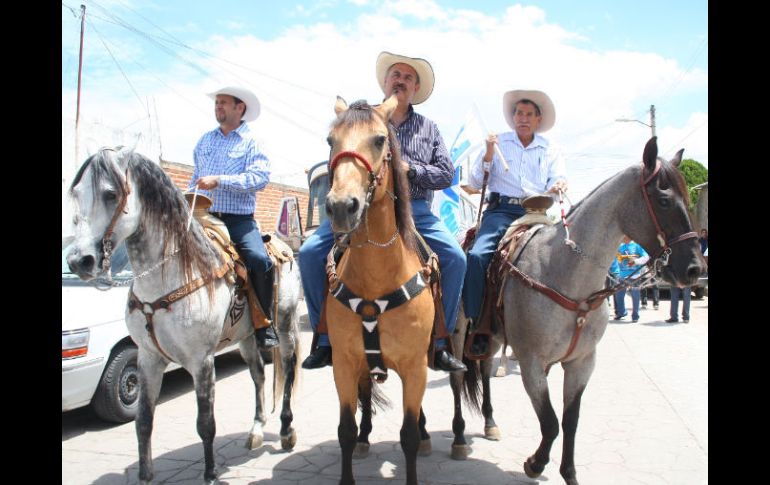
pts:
[230, 168]
[411, 81]
[535, 166]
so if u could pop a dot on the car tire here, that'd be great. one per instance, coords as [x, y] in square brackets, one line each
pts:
[117, 395]
[699, 291]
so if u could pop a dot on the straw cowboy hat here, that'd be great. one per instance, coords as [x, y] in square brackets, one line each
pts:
[252, 103]
[547, 111]
[423, 68]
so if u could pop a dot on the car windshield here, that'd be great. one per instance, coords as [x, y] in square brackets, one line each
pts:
[120, 268]
[319, 188]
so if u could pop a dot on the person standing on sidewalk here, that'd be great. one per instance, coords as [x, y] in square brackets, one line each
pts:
[676, 294]
[630, 256]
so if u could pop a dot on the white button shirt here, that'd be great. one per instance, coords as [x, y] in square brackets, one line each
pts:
[533, 170]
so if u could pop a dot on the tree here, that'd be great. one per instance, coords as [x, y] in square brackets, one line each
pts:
[694, 174]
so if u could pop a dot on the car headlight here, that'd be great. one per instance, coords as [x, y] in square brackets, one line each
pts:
[74, 343]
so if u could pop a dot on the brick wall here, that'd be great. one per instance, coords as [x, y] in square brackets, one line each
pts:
[268, 200]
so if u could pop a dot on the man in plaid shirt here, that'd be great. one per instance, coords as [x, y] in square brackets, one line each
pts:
[230, 168]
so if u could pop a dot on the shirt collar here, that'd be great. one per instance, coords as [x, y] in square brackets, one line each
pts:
[242, 129]
[538, 141]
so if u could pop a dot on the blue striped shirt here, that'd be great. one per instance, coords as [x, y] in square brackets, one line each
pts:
[533, 170]
[241, 165]
[423, 148]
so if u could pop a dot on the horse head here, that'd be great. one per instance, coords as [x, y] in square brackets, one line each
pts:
[106, 211]
[667, 230]
[363, 147]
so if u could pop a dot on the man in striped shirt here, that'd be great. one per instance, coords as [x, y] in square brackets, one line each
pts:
[230, 168]
[535, 166]
[431, 168]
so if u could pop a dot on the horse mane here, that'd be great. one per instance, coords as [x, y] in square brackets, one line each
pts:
[164, 209]
[669, 176]
[361, 112]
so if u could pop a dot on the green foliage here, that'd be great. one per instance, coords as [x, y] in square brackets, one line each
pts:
[694, 174]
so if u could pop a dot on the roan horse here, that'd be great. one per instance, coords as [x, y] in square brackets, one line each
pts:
[648, 202]
[123, 196]
[379, 277]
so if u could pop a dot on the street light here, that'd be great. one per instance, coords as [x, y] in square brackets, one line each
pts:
[652, 120]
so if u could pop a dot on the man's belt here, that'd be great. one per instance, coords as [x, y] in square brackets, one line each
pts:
[496, 198]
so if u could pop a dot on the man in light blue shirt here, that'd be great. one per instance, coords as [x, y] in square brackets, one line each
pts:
[230, 167]
[535, 166]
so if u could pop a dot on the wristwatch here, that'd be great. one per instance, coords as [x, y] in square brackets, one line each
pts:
[411, 173]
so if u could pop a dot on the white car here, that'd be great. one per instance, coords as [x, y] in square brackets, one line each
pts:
[98, 364]
[98, 357]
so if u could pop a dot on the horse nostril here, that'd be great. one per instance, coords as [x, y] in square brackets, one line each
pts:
[353, 206]
[694, 271]
[86, 263]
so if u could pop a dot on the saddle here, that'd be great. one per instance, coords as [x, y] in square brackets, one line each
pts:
[278, 251]
[515, 239]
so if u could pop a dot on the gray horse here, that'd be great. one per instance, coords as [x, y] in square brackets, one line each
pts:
[648, 202]
[180, 306]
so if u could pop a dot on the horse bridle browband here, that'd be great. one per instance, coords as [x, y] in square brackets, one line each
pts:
[120, 209]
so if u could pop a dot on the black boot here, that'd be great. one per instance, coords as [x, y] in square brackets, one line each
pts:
[263, 287]
[445, 361]
[320, 357]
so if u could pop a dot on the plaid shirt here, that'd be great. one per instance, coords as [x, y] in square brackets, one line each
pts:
[422, 147]
[242, 167]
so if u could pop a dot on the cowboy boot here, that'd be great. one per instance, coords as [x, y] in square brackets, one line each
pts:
[321, 356]
[263, 287]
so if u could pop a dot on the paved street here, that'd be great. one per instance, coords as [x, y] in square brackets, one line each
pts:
[643, 420]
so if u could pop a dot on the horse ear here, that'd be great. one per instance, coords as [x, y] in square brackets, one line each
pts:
[387, 107]
[340, 106]
[677, 158]
[650, 156]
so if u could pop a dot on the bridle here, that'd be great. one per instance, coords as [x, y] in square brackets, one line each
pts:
[120, 209]
[665, 244]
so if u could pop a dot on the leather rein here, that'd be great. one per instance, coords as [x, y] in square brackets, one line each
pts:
[596, 299]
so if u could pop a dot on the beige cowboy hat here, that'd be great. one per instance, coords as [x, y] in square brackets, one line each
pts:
[547, 111]
[252, 103]
[423, 68]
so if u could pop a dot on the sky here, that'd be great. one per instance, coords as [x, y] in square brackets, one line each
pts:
[147, 65]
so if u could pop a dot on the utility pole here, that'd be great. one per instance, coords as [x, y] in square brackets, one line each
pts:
[80, 70]
[652, 120]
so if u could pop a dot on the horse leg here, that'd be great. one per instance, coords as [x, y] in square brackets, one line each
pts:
[151, 368]
[250, 354]
[536, 384]
[365, 398]
[491, 431]
[346, 382]
[288, 434]
[414, 388]
[425, 446]
[203, 380]
[460, 448]
[576, 375]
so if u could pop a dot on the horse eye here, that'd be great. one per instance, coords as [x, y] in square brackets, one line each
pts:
[110, 196]
[75, 219]
[379, 141]
[664, 202]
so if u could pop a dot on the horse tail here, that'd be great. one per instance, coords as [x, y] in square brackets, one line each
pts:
[366, 386]
[279, 373]
[471, 388]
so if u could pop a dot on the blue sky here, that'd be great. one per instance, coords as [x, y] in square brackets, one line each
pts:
[599, 60]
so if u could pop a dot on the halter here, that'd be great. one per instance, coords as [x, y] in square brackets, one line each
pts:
[120, 209]
[661, 235]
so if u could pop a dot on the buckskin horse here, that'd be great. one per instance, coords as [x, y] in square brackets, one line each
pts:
[379, 316]
[121, 196]
[553, 296]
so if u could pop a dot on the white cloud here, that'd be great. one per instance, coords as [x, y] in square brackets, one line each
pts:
[476, 58]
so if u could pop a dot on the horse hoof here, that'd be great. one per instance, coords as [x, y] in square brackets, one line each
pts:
[361, 450]
[492, 433]
[288, 441]
[254, 441]
[460, 452]
[425, 448]
[531, 473]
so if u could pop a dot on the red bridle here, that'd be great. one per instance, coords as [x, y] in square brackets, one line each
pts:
[664, 243]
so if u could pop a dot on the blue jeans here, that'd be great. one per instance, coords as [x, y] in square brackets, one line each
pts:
[620, 303]
[684, 294]
[494, 223]
[248, 241]
[312, 262]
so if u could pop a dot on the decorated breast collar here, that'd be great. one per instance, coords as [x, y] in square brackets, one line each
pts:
[370, 310]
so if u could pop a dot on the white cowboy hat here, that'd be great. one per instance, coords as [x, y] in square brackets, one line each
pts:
[252, 103]
[547, 111]
[423, 68]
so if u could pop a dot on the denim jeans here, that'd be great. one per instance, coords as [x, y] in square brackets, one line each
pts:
[684, 294]
[620, 303]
